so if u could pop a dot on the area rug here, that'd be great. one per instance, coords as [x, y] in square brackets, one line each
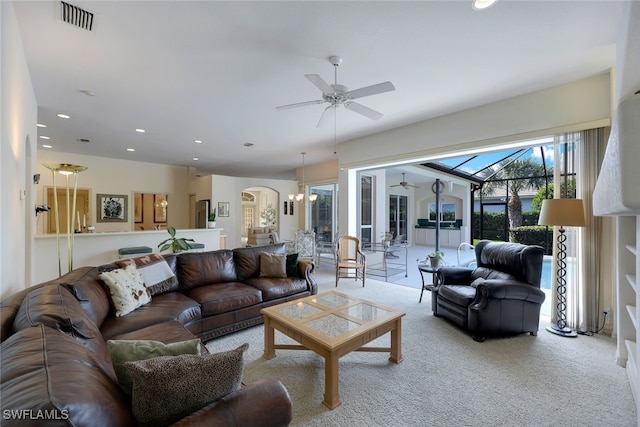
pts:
[446, 378]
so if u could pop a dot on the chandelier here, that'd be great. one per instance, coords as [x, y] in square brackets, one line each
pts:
[300, 196]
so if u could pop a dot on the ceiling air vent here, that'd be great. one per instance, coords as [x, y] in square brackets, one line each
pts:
[75, 16]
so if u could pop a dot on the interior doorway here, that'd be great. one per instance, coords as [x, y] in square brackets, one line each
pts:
[81, 215]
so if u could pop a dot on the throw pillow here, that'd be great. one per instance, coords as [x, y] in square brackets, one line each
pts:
[273, 265]
[168, 388]
[126, 289]
[123, 351]
[156, 273]
[292, 265]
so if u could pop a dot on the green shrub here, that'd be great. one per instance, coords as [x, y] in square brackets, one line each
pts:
[533, 235]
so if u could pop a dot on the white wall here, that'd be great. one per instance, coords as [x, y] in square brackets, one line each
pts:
[114, 176]
[229, 189]
[17, 152]
[574, 106]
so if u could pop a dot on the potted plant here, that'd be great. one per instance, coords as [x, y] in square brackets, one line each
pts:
[212, 219]
[176, 244]
[435, 258]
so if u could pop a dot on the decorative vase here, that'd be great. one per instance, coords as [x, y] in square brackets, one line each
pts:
[435, 261]
[211, 224]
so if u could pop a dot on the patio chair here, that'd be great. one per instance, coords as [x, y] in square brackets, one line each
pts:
[350, 262]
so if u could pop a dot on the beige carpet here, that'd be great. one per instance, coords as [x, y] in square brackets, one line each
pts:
[448, 379]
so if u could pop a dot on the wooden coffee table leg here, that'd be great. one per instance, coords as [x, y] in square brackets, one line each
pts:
[269, 349]
[396, 342]
[331, 397]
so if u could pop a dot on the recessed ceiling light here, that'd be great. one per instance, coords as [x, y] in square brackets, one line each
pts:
[482, 4]
[140, 130]
[47, 146]
[131, 149]
[195, 158]
[63, 116]
[40, 125]
[44, 137]
[197, 141]
[248, 144]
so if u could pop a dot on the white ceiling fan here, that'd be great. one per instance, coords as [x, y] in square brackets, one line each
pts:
[337, 94]
[404, 184]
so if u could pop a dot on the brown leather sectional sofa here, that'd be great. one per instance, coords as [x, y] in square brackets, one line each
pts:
[56, 368]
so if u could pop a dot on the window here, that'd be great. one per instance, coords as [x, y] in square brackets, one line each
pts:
[447, 212]
[248, 217]
[324, 213]
[366, 209]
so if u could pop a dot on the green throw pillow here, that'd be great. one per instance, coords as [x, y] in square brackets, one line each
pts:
[167, 389]
[123, 351]
[292, 265]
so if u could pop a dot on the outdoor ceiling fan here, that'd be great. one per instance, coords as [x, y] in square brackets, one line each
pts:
[337, 94]
[404, 184]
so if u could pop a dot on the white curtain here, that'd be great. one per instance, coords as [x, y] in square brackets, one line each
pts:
[594, 241]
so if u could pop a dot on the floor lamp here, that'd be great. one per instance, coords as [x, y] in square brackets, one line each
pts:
[67, 170]
[563, 213]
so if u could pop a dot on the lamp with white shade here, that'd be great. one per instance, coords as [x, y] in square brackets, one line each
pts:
[562, 213]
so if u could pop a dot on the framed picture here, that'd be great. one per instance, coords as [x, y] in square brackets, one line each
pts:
[137, 207]
[223, 208]
[286, 207]
[112, 208]
[291, 207]
[160, 205]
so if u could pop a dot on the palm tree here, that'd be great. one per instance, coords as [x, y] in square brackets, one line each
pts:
[521, 174]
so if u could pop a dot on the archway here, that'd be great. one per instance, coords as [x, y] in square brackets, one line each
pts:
[260, 208]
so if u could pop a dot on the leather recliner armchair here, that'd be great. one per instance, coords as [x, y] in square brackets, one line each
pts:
[502, 296]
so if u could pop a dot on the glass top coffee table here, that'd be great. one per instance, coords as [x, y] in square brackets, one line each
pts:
[332, 324]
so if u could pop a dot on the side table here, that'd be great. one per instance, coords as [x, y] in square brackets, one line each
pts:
[425, 267]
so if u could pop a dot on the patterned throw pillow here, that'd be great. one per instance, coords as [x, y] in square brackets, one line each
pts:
[123, 351]
[126, 289]
[273, 265]
[168, 388]
[155, 272]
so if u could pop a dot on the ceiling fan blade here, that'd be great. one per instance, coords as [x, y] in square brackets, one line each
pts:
[325, 117]
[371, 90]
[320, 83]
[365, 111]
[300, 104]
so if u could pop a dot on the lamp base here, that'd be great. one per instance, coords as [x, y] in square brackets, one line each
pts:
[563, 332]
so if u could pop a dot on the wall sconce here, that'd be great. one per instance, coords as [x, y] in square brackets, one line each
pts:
[164, 205]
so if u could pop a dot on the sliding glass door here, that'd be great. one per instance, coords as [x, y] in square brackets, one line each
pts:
[398, 208]
[324, 211]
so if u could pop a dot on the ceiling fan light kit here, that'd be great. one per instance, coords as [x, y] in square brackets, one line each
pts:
[337, 94]
[404, 184]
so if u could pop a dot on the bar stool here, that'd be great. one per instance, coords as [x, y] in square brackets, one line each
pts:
[134, 251]
[196, 247]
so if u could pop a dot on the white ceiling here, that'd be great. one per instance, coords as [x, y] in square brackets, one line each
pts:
[216, 70]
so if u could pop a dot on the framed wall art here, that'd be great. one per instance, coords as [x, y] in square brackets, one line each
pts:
[112, 208]
[160, 205]
[223, 208]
